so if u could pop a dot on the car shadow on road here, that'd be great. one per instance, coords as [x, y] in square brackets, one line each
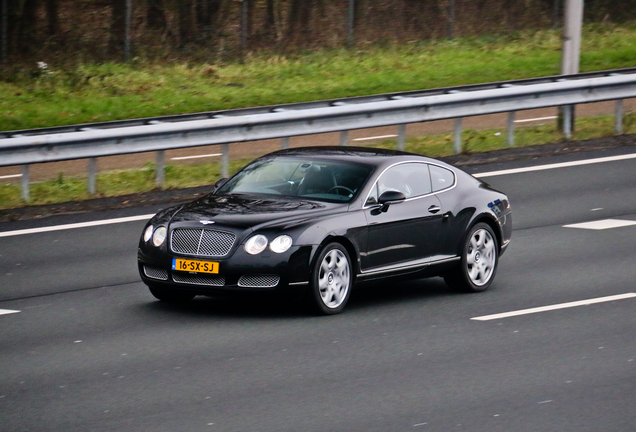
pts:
[388, 292]
[375, 294]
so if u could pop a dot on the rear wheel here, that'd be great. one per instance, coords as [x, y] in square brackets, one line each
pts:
[331, 279]
[479, 259]
[170, 296]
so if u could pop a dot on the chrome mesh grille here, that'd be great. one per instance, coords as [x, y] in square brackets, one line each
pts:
[185, 278]
[156, 273]
[202, 242]
[258, 281]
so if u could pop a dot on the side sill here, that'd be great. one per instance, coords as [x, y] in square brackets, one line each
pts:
[413, 266]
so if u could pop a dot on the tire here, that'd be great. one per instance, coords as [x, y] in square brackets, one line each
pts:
[331, 280]
[170, 296]
[479, 259]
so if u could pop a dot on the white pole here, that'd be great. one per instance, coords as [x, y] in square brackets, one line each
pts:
[571, 53]
[572, 37]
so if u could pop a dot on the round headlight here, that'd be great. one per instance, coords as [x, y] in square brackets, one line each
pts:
[281, 243]
[256, 244]
[159, 236]
[148, 233]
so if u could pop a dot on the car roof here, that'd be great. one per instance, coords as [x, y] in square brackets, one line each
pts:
[365, 155]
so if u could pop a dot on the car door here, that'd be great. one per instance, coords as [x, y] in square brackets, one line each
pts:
[453, 227]
[406, 233]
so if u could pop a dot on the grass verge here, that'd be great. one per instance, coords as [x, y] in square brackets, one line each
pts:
[62, 94]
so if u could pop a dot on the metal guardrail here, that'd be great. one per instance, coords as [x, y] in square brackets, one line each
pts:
[223, 128]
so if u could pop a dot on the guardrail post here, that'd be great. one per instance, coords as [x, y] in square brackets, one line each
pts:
[25, 183]
[284, 143]
[225, 160]
[344, 138]
[92, 175]
[510, 134]
[458, 135]
[160, 165]
[567, 121]
[401, 139]
[618, 113]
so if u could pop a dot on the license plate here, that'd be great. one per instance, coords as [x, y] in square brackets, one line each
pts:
[195, 266]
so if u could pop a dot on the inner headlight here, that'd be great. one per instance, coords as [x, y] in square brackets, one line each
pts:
[159, 236]
[256, 244]
[148, 233]
[281, 243]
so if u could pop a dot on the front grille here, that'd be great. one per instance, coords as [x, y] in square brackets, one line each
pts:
[258, 281]
[185, 278]
[202, 242]
[156, 273]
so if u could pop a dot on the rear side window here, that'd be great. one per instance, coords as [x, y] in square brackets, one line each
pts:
[411, 178]
[441, 178]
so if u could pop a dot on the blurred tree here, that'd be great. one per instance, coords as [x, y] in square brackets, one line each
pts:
[299, 19]
[186, 21]
[272, 12]
[52, 17]
[27, 25]
[207, 13]
[117, 27]
[156, 15]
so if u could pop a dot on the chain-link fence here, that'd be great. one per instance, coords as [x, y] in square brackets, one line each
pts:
[97, 30]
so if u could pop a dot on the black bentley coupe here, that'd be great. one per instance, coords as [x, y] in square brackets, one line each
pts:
[319, 219]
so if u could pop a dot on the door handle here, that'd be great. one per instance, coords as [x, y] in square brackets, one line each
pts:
[434, 209]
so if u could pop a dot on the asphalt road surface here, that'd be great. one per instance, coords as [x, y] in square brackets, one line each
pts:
[84, 346]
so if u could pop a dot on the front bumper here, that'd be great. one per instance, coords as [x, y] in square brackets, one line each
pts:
[239, 272]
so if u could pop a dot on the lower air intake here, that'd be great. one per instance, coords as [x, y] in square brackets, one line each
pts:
[258, 281]
[156, 273]
[198, 279]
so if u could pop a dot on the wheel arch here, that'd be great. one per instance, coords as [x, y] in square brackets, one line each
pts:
[492, 223]
[349, 247]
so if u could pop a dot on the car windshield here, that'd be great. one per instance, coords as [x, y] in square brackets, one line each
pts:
[319, 180]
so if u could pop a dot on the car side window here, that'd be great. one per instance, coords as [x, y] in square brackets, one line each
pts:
[412, 179]
[373, 195]
[441, 178]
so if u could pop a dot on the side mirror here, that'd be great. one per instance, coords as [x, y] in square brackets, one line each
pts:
[390, 197]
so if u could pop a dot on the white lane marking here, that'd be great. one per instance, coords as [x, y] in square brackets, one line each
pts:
[555, 307]
[374, 138]
[10, 176]
[196, 156]
[75, 225]
[535, 119]
[556, 165]
[602, 224]
[7, 311]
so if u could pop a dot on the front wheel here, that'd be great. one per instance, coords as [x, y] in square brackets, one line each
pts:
[479, 259]
[170, 296]
[331, 279]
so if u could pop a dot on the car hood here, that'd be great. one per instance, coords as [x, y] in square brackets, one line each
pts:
[249, 211]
